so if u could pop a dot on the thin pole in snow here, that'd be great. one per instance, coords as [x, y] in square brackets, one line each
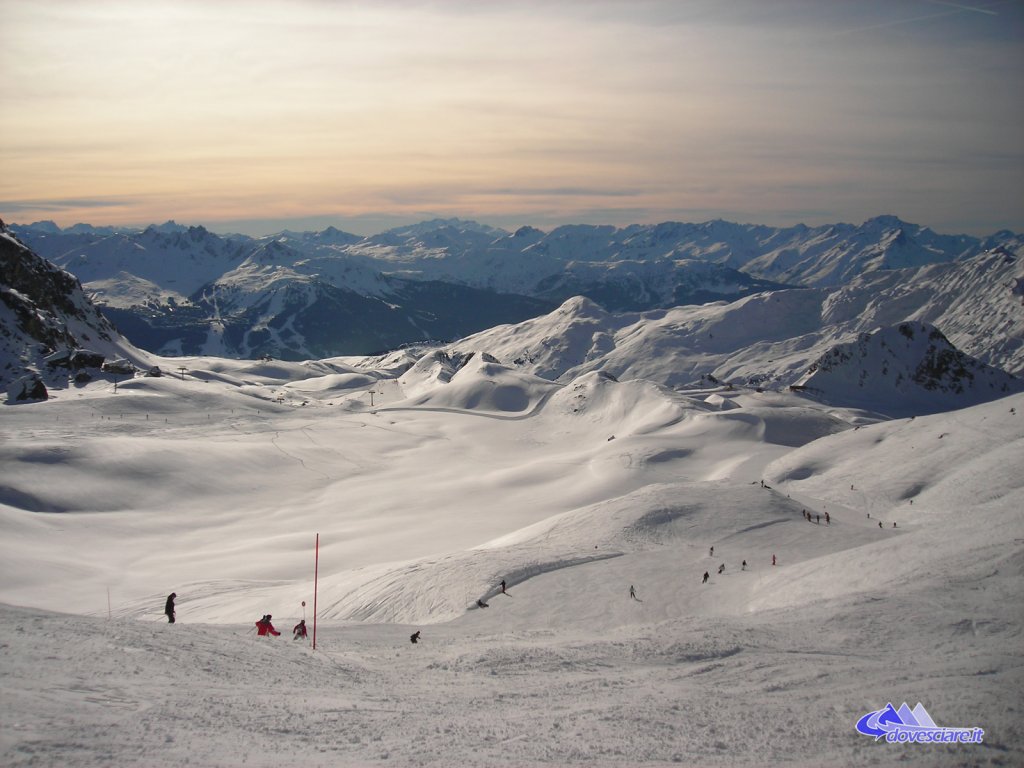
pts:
[316, 574]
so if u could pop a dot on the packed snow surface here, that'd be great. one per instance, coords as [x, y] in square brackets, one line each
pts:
[430, 486]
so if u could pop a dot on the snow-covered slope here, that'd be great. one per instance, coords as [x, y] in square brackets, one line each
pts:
[464, 473]
[767, 340]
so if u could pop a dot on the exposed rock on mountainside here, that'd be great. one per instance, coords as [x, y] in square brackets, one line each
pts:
[910, 369]
[47, 325]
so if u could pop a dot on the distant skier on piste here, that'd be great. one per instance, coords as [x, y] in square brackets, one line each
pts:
[503, 587]
[414, 637]
[706, 577]
[169, 607]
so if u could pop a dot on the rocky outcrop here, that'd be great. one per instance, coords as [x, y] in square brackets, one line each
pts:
[48, 327]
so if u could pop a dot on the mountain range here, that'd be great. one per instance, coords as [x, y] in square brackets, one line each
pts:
[911, 341]
[185, 290]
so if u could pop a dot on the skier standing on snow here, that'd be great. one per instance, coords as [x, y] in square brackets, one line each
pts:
[632, 593]
[299, 631]
[711, 552]
[706, 577]
[744, 566]
[773, 559]
[264, 627]
[828, 520]
[169, 607]
[503, 587]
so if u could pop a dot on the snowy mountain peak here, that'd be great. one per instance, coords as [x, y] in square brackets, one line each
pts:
[581, 307]
[908, 369]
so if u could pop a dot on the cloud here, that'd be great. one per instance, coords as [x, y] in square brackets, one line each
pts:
[57, 205]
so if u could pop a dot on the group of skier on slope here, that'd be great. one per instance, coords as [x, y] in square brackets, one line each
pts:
[264, 626]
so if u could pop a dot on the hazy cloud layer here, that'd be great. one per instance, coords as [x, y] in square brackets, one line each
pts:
[772, 112]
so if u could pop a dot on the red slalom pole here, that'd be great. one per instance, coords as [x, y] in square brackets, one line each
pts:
[316, 575]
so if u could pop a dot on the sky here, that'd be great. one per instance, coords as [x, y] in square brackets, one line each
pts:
[256, 116]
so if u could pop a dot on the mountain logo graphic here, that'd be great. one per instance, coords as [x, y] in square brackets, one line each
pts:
[906, 725]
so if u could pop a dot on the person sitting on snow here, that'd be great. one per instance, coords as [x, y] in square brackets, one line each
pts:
[299, 631]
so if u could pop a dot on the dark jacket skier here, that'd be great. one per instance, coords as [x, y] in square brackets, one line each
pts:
[299, 631]
[169, 607]
[414, 637]
[706, 577]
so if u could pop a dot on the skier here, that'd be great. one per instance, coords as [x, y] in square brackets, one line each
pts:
[264, 627]
[706, 577]
[773, 559]
[711, 552]
[721, 568]
[169, 607]
[879, 523]
[482, 604]
[744, 566]
[632, 593]
[894, 525]
[828, 520]
[817, 519]
[299, 631]
[414, 637]
[503, 587]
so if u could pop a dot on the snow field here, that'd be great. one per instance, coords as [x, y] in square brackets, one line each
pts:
[425, 503]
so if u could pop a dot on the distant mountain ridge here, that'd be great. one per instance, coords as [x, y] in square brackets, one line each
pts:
[869, 344]
[184, 290]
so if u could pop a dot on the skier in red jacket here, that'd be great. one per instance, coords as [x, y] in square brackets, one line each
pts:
[264, 627]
